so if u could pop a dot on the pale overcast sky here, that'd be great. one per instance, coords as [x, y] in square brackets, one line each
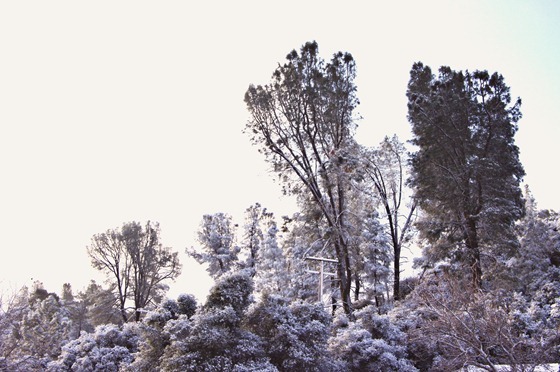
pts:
[114, 111]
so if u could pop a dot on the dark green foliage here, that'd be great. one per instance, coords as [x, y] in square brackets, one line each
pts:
[466, 172]
[186, 305]
[232, 291]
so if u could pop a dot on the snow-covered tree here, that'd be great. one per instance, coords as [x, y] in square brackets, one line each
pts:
[11, 314]
[386, 169]
[109, 348]
[34, 326]
[450, 326]
[152, 340]
[271, 270]
[372, 343]
[303, 123]
[45, 327]
[537, 262]
[213, 339]
[371, 259]
[218, 246]
[157, 329]
[294, 335]
[303, 235]
[252, 235]
[100, 306]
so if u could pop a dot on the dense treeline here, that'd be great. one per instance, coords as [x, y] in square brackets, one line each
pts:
[321, 290]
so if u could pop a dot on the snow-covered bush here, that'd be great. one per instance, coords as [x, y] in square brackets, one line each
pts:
[107, 349]
[186, 305]
[233, 291]
[212, 340]
[371, 343]
[294, 335]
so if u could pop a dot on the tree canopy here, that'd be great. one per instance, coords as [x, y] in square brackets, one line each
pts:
[488, 294]
[136, 264]
[466, 171]
[303, 123]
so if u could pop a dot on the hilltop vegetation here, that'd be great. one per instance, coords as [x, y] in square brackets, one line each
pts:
[321, 290]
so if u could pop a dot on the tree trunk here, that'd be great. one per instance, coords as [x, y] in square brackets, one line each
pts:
[471, 243]
[357, 288]
[397, 270]
[344, 273]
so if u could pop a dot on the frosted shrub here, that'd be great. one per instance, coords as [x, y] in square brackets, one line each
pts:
[106, 349]
[294, 335]
[372, 343]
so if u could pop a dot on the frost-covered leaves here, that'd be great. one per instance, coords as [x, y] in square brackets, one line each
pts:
[371, 257]
[212, 344]
[271, 274]
[109, 348]
[294, 335]
[33, 329]
[186, 304]
[213, 339]
[372, 343]
[233, 291]
[36, 325]
[537, 263]
[217, 244]
[153, 339]
[45, 328]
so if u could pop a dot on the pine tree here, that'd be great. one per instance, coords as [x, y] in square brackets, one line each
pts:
[466, 172]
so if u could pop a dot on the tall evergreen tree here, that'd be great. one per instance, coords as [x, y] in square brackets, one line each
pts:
[466, 172]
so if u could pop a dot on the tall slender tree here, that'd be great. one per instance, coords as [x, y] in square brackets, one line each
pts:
[385, 167]
[466, 172]
[303, 123]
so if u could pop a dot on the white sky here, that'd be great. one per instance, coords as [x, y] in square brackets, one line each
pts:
[114, 111]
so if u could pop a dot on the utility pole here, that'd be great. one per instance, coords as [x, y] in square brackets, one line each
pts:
[322, 273]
